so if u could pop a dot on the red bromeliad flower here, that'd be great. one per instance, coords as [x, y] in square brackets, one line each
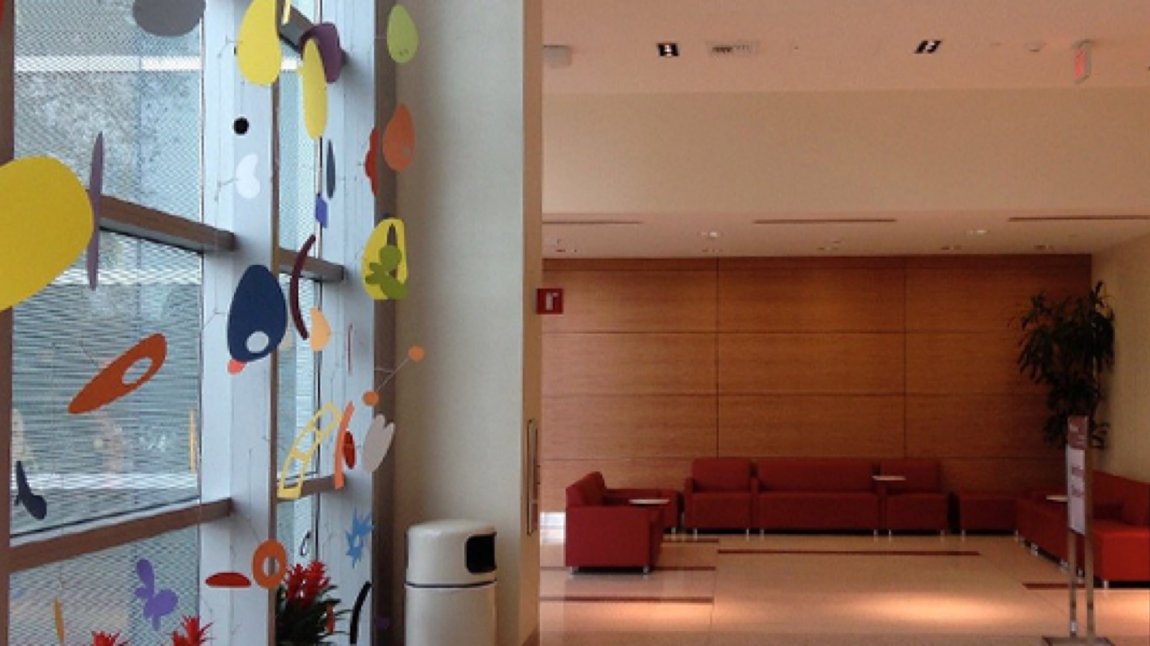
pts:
[107, 639]
[305, 584]
[193, 633]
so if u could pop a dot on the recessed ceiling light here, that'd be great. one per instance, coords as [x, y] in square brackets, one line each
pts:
[1034, 46]
[951, 247]
[1043, 247]
[668, 50]
[977, 232]
[566, 250]
[711, 250]
[710, 235]
[928, 46]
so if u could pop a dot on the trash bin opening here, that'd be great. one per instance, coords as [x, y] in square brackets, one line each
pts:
[481, 554]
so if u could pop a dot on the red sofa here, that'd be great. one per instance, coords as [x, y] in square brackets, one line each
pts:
[1120, 527]
[916, 503]
[717, 494]
[815, 494]
[602, 534]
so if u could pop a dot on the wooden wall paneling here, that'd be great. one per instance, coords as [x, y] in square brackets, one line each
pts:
[965, 363]
[812, 426]
[1013, 475]
[634, 301]
[662, 473]
[810, 363]
[805, 299]
[631, 426]
[628, 264]
[977, 426]
[975, 294]
[634, 364]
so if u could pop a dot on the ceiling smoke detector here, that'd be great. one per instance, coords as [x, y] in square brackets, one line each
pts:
[668, 50]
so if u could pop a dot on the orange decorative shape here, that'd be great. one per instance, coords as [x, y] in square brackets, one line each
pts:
[274, 551]
[370, 398]
[235, 367]
[399, 139]
[108, 385]
[228, 580]
[416, 353]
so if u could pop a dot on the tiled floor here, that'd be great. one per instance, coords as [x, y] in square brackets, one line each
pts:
[838, 590]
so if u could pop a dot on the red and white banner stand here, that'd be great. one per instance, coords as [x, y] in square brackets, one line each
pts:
[1078, 467]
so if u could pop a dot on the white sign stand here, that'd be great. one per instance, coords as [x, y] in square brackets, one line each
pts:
[1078, 501]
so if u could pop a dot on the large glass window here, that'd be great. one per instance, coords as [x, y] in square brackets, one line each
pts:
[98, 592]
[84, 68]
[136, 452]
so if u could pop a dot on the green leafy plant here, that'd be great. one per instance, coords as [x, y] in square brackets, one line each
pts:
[1066, 346]
[305, 609]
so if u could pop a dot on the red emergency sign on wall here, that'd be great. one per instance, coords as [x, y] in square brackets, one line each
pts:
[549, 300]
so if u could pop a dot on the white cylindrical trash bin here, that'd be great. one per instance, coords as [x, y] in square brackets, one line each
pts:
[450, 584]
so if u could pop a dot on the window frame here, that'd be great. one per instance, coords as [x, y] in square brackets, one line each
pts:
[223, 513]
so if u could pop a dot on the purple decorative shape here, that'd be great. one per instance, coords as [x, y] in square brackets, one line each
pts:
[320, 210]
[157, 605]
[95, 192]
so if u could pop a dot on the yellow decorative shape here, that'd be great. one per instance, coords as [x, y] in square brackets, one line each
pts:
[45, 222]
[258, 49]
[383, 268]
[287, 12]
[314, 85]
[320, 330]
[402, 36]
[58, 615]
[298, 459]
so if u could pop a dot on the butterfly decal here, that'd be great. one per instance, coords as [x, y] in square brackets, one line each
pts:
[157, 604]
[34, 504]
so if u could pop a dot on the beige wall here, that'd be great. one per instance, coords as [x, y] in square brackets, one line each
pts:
[654, 363]
[1126, 273]
[849, 152]
[471, 203]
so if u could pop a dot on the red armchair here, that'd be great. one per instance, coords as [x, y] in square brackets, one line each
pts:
[717, 495]
[604, 535]
[916, 503]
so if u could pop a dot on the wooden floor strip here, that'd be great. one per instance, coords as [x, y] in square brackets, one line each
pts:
[658, 568]
[578, 598]
[755, 550]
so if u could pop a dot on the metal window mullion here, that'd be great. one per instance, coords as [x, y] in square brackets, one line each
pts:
[239, 413]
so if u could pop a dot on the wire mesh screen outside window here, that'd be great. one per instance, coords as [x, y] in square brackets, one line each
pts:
[97, 592]
[83, 68]
[136, 452]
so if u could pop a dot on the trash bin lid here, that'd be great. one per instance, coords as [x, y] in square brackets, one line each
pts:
[451, 552]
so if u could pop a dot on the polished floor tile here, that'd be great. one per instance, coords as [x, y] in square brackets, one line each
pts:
[824, 589]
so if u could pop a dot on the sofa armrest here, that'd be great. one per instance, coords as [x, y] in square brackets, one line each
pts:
[1108, 511]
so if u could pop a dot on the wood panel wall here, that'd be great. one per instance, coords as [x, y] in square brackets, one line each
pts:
[656, 362]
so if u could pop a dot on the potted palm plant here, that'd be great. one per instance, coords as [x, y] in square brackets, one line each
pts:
[1066, 345]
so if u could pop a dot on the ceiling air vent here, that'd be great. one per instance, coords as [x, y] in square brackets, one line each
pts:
[733, 48]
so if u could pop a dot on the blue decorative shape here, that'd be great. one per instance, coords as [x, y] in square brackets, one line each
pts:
[258, 308]
[157, 604]
[360, 529]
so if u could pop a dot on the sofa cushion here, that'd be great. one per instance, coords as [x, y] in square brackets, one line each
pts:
[1131, 497]
[721, 474]
[921, 475]
[815, 474]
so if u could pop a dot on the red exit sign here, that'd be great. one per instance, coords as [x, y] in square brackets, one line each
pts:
[549, 300]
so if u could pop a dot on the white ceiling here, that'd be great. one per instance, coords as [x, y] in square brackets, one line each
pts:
[836, 118]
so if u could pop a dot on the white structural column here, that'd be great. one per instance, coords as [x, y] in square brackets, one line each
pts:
[347, 306]
[238, 447]
[471, 201]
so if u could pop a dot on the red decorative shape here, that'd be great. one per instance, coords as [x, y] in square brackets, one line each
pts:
[108, 385]
[371, 160]
[235, 367]
[341, 441]
[349, 451]
[228, 580]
